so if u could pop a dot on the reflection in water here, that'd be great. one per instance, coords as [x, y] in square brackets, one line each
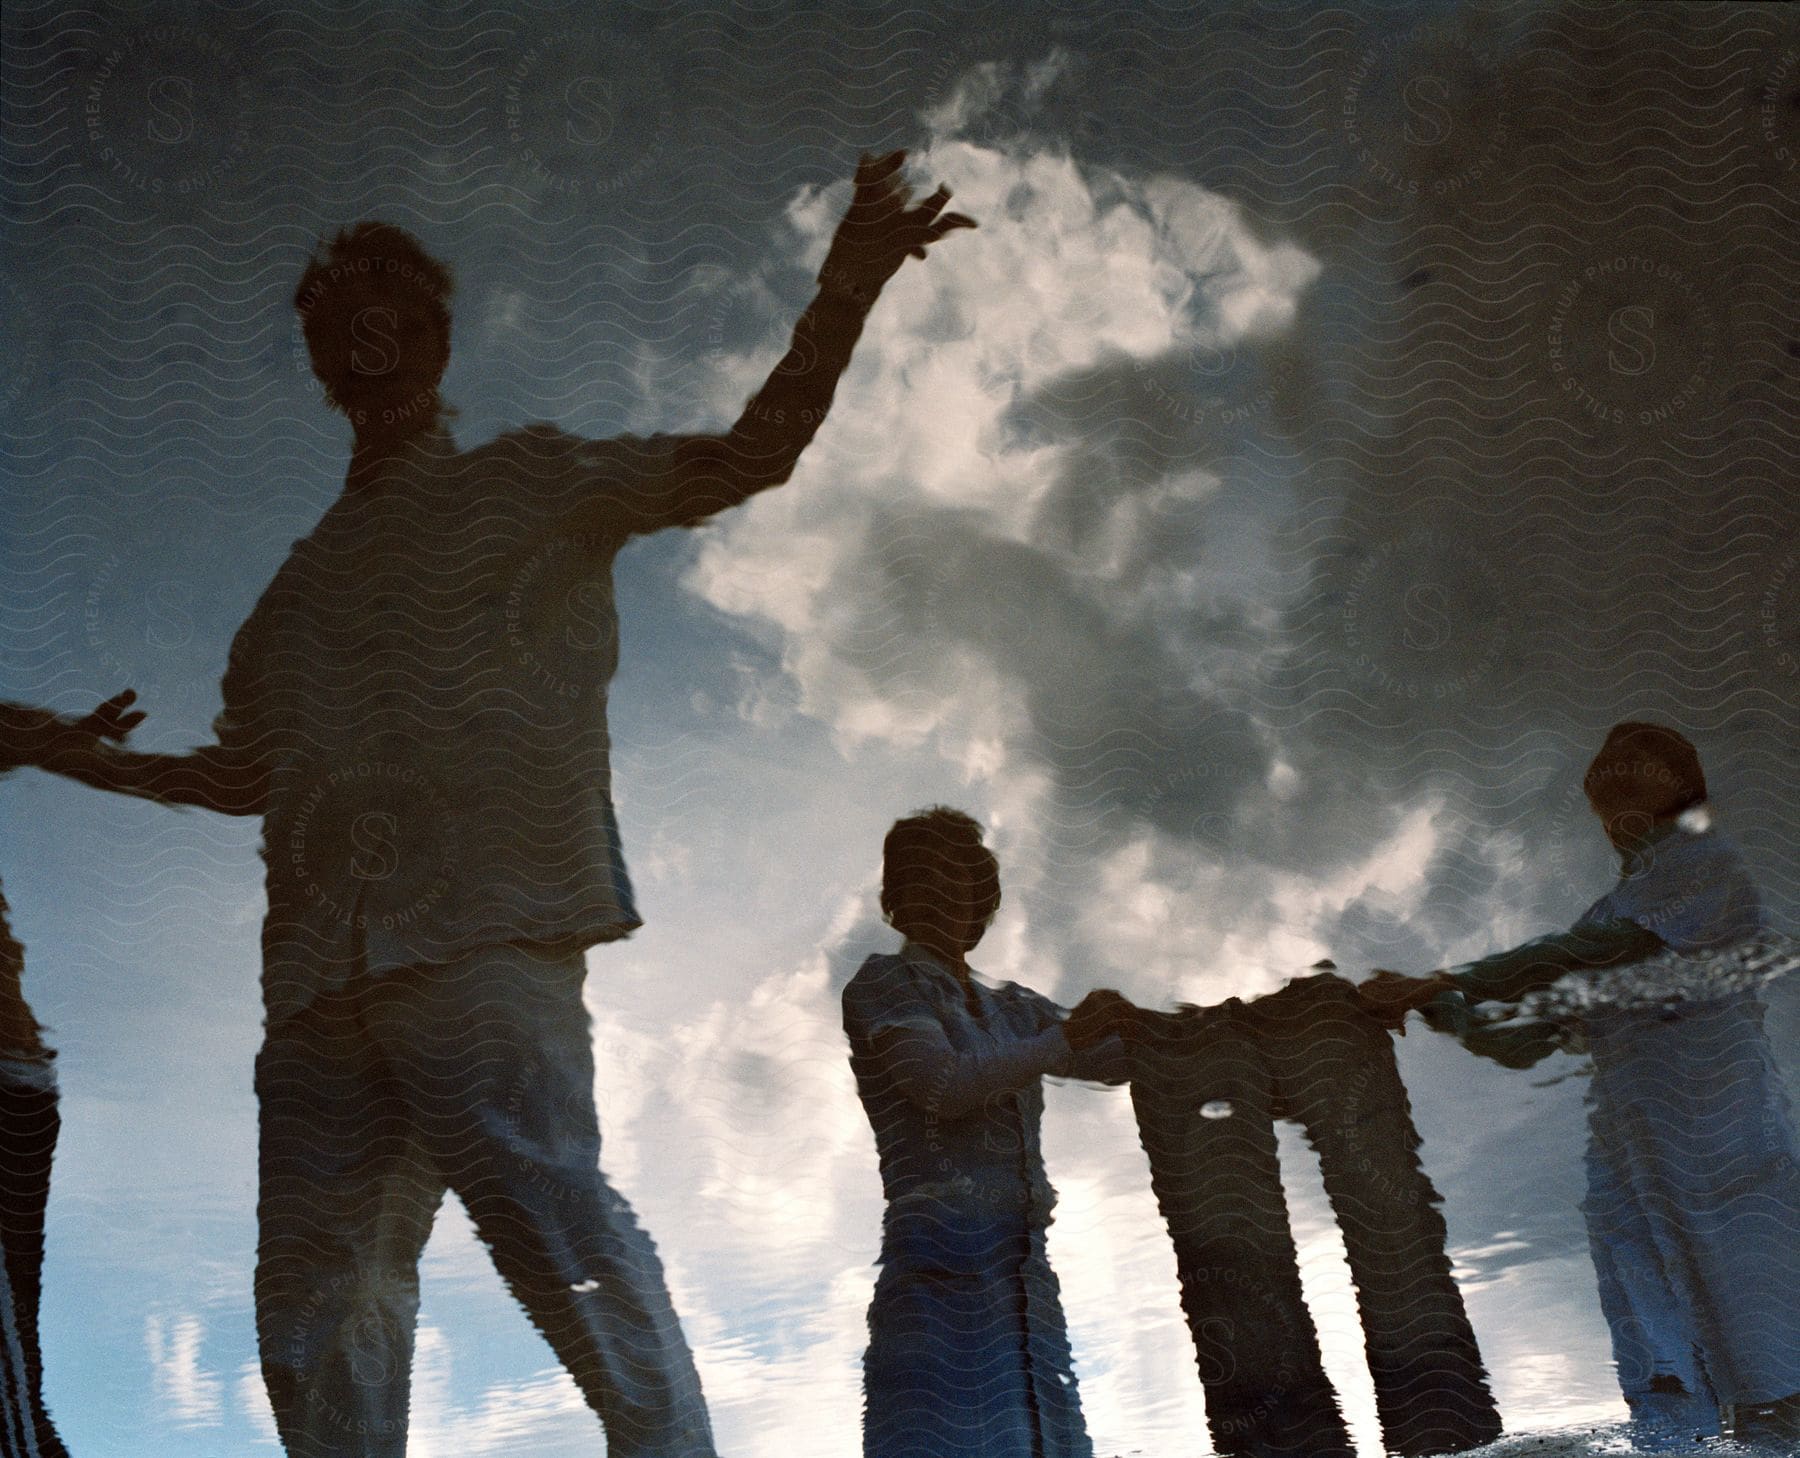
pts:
[1692, 1209]
[968, 1350]
[433, 773]
[28, 1128]
[1311, 1053]
[1693, 1199]
[29, 1118]
[474, 1075]
[1278, 556]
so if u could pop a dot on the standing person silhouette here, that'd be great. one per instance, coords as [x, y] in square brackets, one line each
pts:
[417, 705]
[968, 1353]
[29, 1121]
[1693, 1200]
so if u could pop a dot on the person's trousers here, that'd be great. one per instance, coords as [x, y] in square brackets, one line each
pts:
[1693, 1213]
[476, 1076]
[1207, 1089]
[29, 1124]
[1657, 1350]
[968, 1350]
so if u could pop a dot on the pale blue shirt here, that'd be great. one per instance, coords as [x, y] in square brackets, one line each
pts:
[955, 1096]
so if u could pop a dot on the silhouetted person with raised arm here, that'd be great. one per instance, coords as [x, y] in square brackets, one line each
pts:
[29, 1122]
[1693, 1202]
[417, 705]
[968, 1355]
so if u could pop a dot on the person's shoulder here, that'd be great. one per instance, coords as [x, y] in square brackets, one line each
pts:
[882, 990]
[622, 466]
[540, 438]
[543, 437]
[545, 442]
[887, 981]
[878, 971]
[1714, 843]
[1018, 992]
[1706, 851]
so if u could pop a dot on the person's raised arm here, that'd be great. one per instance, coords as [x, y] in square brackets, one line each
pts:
[32, 736]
[881, 229]
[217, 777]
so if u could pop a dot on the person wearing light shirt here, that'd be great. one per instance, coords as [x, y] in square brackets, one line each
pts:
[1693, 1202]
[968, 1353]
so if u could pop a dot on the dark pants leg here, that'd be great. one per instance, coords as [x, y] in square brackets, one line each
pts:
[28, 1128]
[29, 1124]
[1204, 1101]
[346, 1202]
[494, 1055]
[1335, 1073]
[1657, 1350]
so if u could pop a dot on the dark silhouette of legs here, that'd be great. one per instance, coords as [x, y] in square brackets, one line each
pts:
[475, 1075]
[29, 1124]
[1205, 1099]
[1207, 1087]
[494, 1059]
[28, 1128]
[347, 1199]
[1337, 1076]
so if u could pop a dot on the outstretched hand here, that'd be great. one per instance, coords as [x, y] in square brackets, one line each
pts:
[114, 719]
[1102, 1014]
[54, 741]
[880, 231]
[1390, 996]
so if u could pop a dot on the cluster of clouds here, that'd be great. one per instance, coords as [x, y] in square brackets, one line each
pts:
[993, 553]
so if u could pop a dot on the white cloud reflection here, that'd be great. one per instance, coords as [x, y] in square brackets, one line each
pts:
[188, 1394]
[1071, 268]
[998, 580]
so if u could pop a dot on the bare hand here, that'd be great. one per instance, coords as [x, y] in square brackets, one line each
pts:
[114, 719]
[1102, 1014]
[1390, 996]
[48, 739]
[879, 232]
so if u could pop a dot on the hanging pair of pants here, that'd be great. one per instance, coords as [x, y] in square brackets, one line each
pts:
[1207, 1087]
[476, 1076]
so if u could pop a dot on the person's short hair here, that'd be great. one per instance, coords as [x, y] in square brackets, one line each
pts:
[370, 253]
[1646, 767]
[934, 861]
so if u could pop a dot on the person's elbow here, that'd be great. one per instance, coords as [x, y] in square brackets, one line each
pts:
[757, 459]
